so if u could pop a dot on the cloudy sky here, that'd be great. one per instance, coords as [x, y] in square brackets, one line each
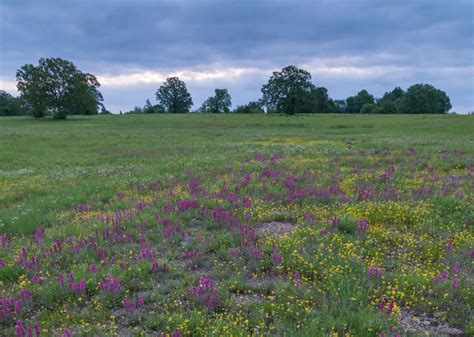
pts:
[347, 45]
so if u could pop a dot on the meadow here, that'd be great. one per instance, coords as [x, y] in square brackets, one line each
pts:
[237, 225]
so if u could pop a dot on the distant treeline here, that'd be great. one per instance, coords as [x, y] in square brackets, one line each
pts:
[56, 87]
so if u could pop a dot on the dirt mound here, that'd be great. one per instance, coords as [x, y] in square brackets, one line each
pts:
[276, 228]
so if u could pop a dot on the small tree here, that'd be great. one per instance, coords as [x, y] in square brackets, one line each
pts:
[340, 105]
[56, 86]
[220, 102]
[151, 109]
[174, 96]
[11, 106]
[368, 108]
[251, 107]
[355, 103]
[288, 90]
[104, 111]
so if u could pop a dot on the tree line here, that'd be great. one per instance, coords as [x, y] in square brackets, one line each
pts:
[55, 87]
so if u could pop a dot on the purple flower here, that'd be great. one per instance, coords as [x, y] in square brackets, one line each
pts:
[25, 294]
[445, 274]
[289, 182]
[19, 329]
[110, 284]
[457, 268]
[276, 257]
[390, 306]
[187, 204]
[455, 283]
[17, 306]
[298, 282]
[449, 247]
[362, 225]
[36, 327]
[375, 271]
[382, 304]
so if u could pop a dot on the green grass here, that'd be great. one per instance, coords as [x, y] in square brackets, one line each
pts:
[84, 157]
[61, 176]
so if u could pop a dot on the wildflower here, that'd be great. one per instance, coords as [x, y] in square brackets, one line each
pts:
[66, 333]
[25, 294]
[154, 266]
[390, 306]
[455, 283]
[382, 304]
[17, 306]
[19, 329]
[457, 268]
[36, 327]
[445, 274]
[297, 278]
[449, 247]
[362, 225]
[375, 271]
[110, 284]
[205, 293]
[289, 183]
[276, 255]
[187, 204]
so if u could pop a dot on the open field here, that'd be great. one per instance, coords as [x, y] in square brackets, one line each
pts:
[212, 225]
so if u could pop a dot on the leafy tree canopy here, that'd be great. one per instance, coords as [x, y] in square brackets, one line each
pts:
[320, 101]
[151, 109]
[288, 90]
[251, 107]
[57, 87]
[174, 96]
[425, 99]
[220, 102]
[355, 103]
[392, 96]
[11, 106]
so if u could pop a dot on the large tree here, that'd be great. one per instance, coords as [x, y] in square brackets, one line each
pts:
[55, 86]
[288, 91]
[220, 102]
[174, 96]
[425, 99]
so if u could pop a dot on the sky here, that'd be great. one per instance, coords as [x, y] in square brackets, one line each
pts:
[132, 46]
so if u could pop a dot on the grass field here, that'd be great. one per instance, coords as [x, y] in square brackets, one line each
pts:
[219, 225]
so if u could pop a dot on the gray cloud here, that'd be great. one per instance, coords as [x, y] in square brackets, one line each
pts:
[346, 44]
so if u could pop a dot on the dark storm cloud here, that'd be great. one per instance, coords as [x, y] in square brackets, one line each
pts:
[411, 41]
